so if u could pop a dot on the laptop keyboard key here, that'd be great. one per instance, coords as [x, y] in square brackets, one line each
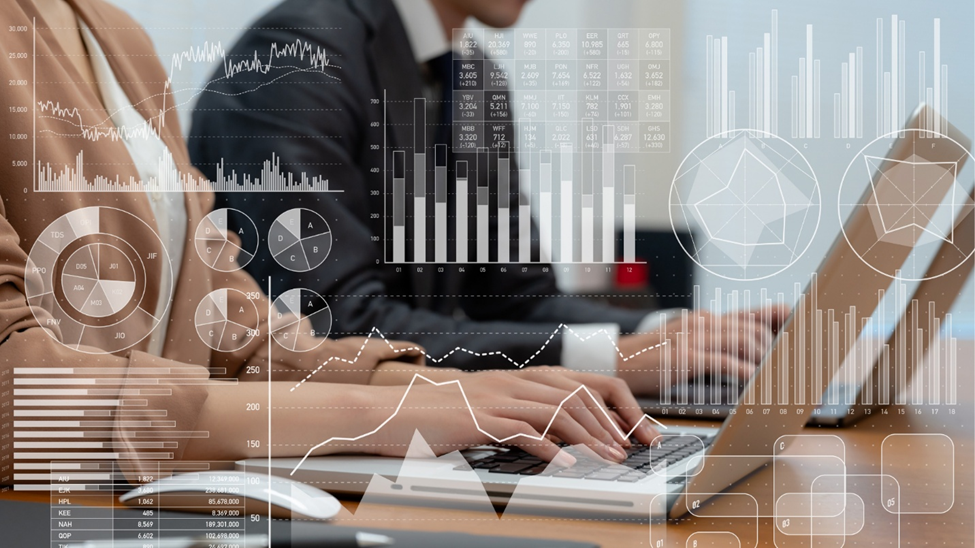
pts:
[510, 468]
[568, 473]
[603, 475]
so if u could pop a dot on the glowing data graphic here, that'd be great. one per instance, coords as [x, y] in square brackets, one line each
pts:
[226, 320]
[300, 240]
[80, 124]
[98, 280]
[802, 82]
[298, 315]
[560, 118]
[214, 246]
[754, 198]
[916, 202]
[90, 283]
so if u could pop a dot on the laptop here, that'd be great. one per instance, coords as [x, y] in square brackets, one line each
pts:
[845, 402]
[687, 465]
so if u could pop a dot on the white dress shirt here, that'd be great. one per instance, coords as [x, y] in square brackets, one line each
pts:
[147, 152]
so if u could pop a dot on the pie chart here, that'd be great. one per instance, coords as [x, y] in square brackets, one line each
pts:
[87, 273]
[301, 320]
[215, 247]
[98, 280]
[226, 320]
[300, 240]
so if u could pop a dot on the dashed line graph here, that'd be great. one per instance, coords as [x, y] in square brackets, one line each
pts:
[375, 332]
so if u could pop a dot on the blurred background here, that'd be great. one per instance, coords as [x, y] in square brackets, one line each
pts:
[732, 30]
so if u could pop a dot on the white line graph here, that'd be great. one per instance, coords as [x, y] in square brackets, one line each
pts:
[512, 361]
[582, 388]
[67, 121]
[318, 61]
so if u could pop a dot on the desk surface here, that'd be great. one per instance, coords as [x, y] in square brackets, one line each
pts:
[862, 443]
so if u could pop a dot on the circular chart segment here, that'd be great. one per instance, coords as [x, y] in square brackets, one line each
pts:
[752, 203]
[300, 240]
[98, 280]
[214, 245]
[301, 320]
[87, 281]
[914, 200]
[226, 320]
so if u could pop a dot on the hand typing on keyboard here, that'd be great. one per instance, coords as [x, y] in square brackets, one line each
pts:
[640, 461]
[730, 345]
[528, 409]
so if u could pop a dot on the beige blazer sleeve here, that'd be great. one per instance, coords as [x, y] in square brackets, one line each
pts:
[33, 334]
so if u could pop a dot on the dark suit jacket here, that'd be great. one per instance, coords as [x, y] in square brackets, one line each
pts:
[319, 122]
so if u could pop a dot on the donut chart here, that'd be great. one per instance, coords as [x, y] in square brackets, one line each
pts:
[300, 240]
[86, 281]
[226, 320]
[215, 247]
[301, 320]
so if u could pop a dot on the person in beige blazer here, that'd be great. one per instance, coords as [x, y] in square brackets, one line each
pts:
[80, 49]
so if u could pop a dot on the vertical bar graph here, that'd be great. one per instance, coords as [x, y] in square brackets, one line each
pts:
[419, 180]
[525, 215]
[609, 194]
[587, 234]
[565, 210]
[805, 109]
[545, 207]
[399, 206]
[848, 103]
[440, 207]
[483, 207]
[939, 70]
[504, 205]
[935, 94]
[841, 344]
[462, 220]
[629, 214]
[803, 88]
[590, 107]
[893, 85]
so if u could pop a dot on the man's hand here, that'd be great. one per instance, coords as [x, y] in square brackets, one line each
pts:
[733, 344]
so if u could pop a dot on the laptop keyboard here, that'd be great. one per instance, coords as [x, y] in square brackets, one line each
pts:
[640, 460]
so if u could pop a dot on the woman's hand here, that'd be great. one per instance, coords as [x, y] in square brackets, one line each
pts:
[525, 408]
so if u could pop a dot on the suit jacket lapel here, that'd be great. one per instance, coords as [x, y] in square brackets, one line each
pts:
[396, 74]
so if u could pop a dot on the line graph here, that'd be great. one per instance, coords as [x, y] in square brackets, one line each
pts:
[518, 364]
[580, 389]
[145, 119]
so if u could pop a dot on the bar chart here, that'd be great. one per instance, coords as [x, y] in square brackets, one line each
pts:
[810, 85]
[541, 165]
[897, 339]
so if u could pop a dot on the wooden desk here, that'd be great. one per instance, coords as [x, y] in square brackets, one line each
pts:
[862, 443]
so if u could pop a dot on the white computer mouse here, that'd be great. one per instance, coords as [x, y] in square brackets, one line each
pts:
[232, 493]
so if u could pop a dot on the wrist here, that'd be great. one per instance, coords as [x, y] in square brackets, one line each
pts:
[399, 373]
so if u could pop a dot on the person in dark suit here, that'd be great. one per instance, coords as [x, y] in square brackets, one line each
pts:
[318, 110]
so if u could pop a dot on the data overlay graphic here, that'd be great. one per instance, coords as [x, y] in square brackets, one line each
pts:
[587, 104]
[219, 251]
[91, 284]
[487, 273]
[227, 320]
[756, 198]
[300, 240]
[300, 312]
